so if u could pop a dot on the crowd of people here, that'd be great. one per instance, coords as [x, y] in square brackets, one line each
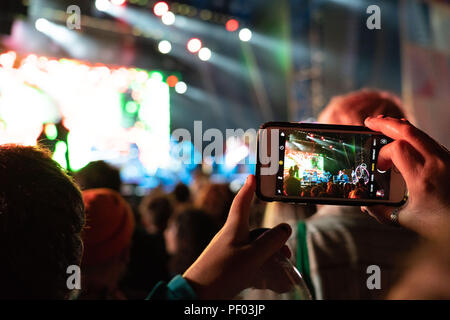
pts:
[330, 189]
[194, 241]
[161, 234]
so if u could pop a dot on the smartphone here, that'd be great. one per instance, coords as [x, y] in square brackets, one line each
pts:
[324, 164]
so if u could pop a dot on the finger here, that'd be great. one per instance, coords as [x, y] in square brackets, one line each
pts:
[285, 251]
[240, 209]
[398, 129]
[381, 213]
[270, 242]
[407, 159]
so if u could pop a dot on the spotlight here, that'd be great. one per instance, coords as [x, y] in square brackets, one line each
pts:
[118, 2]
[141, 76]
[160, 8]
[181, 87]
[245, 34]
[42, 24]
[157, 76]
[322, 138]
[164, 46]
[102, 5]
[131, 107]
[51, 131]
[232, 25]
[168, 18]
[204, 54]
[194, 45]
[8, 59]
[172, 81]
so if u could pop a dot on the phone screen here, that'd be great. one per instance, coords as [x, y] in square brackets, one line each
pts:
[331, 164]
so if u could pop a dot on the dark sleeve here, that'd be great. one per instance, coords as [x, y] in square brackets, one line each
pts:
[177, 289]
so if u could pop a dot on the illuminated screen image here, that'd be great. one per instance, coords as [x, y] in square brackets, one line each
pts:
[87, 112]
[332, 165]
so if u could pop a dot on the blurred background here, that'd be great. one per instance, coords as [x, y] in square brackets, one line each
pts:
[112, 79]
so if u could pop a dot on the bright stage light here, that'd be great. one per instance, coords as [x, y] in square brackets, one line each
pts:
[204, 54]
[232, 25]
[42, 25]
[102, 5]
[194, 45]
[90, 93]
[51, 131]
[8, 59]
[245, 35]
[168, 18]
[164, 46]
[60, 154]
[141, 76]
[118, 2]
[156, 76]
[181, 87]
[131, 107]
[160, 8]
[172, 81]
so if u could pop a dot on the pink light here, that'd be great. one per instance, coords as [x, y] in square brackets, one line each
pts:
[118, 2]
[232, 25]
[160, 8]
[194, 45]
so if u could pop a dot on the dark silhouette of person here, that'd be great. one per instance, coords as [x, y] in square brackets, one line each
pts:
[292, 185]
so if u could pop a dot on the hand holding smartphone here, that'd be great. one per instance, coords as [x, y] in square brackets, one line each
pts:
[328, 164]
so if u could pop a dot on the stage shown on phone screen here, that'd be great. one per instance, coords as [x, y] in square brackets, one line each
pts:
[332, 165]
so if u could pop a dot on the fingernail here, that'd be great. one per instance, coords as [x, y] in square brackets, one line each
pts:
[405, 120]
[381, 116]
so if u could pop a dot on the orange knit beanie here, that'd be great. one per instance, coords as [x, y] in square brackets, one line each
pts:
[109, 225]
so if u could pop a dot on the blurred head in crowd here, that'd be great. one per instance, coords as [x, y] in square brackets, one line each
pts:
[41, 218]
[354, 107]
[181, 193]
[347, 189]
[315, 191]
[98, 174]
[187, 235]
[358, 193]
[107, 239]
[155, 211]
[199, 180]
[215, 199]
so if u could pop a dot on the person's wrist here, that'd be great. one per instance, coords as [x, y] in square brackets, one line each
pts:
[198, 288]
[203, 290]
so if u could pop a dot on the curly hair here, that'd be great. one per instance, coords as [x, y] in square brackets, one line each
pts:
[41, 219]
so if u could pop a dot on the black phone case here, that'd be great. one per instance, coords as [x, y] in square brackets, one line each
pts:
[300, 125]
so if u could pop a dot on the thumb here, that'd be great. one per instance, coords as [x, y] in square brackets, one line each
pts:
[380, 213]
[239, 215]
[271, 241]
